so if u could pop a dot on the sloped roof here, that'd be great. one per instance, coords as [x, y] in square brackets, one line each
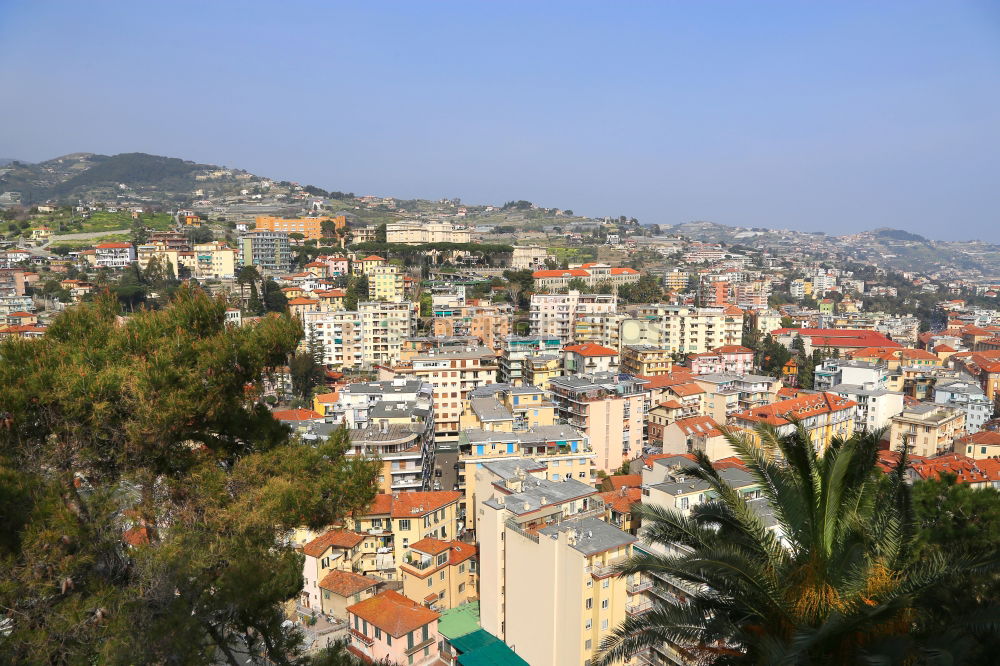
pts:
[801, 407]
[413, 504]
[393, 613]
[332, 539]
[590, 349]
[346, 583]
[296, 415]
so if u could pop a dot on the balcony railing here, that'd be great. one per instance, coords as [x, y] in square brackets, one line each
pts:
[367, 640]
[639, 609]
[641, 586]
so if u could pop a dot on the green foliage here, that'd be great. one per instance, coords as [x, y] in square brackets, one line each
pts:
[647, 290]
[131, 169]
[305, 372]
[356, 291]
[844, 583]
[145, 490]
[426, 304]
[380, 233]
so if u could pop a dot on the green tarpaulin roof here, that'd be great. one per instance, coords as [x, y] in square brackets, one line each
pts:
[473, 641]
[459, 621]
[494, 654]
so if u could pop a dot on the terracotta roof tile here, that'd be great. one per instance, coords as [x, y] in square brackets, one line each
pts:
[346, 583]
[393, 613]
[332, 539]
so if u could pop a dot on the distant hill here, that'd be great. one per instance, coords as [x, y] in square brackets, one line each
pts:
[4, 161]
[899, 234]
[86, 175]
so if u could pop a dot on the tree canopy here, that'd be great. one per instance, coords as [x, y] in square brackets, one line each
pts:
[145, 489]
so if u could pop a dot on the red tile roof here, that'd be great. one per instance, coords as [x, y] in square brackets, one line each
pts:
[303, 301]
[621, 500]
[412, 505]
[460, 552]
[113, 246]
[625, 481]
[698, 425]
[393, 613]
[624, 271]
[346, 583]
[677, 376]
[373, 257]
[569, 272]
[430, 545]
[801, 407]
[590, 349]
[296, 415]
[839, 337]
[332, 539]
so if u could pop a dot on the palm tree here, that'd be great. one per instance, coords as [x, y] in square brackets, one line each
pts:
[825, 575]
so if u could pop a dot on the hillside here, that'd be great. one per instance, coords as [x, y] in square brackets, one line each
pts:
[86, 176]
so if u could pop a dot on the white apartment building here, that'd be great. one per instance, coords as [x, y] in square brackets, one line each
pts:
[528, 257]
[690, 330]
[114, 255]
[556, 314]
[876, 405]
[418, 233]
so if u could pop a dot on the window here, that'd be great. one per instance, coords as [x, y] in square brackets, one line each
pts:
[590, 583]
[604, 625]
[442, 558]
[404, 524]
[388, 639]
[684, 503]
[461, 568]
[586, 646]
[378, 633]
[555, 477]
[441, 576]
[588, 625]
[425, 634]
[357, 597]
[604, 604]
[605, 583]
[430, 581]
[461, 588]
[409, 641]
[326, 594]
[589, 604]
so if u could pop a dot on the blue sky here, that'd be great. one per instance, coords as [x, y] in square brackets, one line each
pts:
[834, 116]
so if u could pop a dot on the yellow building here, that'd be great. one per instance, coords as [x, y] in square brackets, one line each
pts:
[310, 227]
[385, 283]
[539, 370]
[823, 415]
[214, 260]
[646, 360]
[336, 549]
[927, 429]
[399, 519]
[331, 300]
[550, 560]
[440, 574]
[340, 589]
[515, 409]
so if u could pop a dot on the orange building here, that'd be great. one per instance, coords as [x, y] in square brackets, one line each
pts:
[310, 227]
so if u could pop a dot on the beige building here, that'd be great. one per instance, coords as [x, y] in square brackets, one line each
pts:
[823, 415]
[440, 574]
[611, 411]
[340, 589]
[554, 594]
[454, 373]
[489, 323]
[418, 233]
[927, 429]
[690, 330]
[592, 274]
[371, 335]
[541, 369]
[528, 257]
[214, 260]
[336, 549]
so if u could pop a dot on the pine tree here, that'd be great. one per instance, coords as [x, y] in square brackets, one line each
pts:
[145, 489]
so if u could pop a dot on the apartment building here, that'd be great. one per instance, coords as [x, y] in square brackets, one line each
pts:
[541, 369]
[875, 405]
[726, 394]
[419, 233]
[397, 520]
[557, 452]
[440, 574]
[515, 349]
[588, 358]
[310, 227]
[505, 408]
[969, 397]
[528, 257]
[489, 323]
[727, 358]
[927, 429]
[372, 335]
[555, 594]
[646, 360]
[690, 330]
[385, 283]
[214, 260]
[401, 435]
[555, 315]
[389, 628]
[114, 255]
[334, 550]
[268, 250]
[823, 415]
[617, 330]
[834, 371]
[454, 373]
[981, 445]
[609, 408]
[984, 367]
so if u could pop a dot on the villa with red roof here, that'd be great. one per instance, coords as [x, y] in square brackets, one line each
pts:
[114, 255]
[440, 574]
[591, 274]
[727, 358]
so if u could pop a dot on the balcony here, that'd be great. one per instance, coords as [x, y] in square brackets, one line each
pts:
[357, 635]
[641, 586]
[421, 565]
[638, 609]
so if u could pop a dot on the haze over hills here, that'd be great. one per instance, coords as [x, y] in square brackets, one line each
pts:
[172, 182]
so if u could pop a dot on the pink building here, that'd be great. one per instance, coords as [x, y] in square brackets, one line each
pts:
[335, 265]
[727, 358]
[392, 628]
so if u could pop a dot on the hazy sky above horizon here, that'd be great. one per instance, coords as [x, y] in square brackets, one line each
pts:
[836, 116]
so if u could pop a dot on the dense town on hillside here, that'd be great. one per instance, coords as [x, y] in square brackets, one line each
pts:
[526, 379]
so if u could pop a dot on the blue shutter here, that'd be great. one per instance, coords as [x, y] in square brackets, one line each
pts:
[479, 449]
